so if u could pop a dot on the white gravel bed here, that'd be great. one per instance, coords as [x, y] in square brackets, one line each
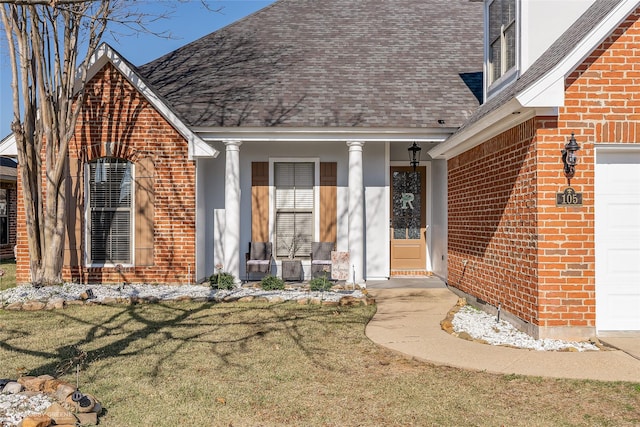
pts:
[14, 407]
[72, 291]
[481, 325]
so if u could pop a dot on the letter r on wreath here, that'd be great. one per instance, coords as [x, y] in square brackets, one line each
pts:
[407, 199]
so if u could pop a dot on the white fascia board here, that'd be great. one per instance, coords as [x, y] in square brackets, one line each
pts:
[8, 146]
[197, 147]
[548, 91]
[272, 134]
[499, 120]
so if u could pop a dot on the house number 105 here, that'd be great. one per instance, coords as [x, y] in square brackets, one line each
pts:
[569, 197]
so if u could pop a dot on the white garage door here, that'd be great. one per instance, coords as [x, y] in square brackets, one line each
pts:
[617, 215]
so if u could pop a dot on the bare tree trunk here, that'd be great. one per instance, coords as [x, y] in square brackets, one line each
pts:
[43, 49]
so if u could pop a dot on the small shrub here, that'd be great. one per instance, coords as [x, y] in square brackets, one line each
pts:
[321, 284]
[222, 280]
[272, 283]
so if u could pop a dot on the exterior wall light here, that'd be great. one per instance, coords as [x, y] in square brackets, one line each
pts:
[569, 157]
[414, 155]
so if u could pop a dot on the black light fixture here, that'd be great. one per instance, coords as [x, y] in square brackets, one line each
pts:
[414, 155]
[569, 157]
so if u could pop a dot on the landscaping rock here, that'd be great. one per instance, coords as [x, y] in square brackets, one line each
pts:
[63, 391]
[349, 301]
[60, 415]
[88, 419]
[55, 304]
[85, 405]
[39, 420]
[34, 383]
[14, 306]
[248, 298]
[13, 387]
[465, 336]
[50, 386]
[33, 305]
[447, 326]
[331, 303]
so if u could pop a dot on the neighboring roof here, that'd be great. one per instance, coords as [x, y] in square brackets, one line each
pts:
[8, 166]
[8, 146]
[105, 53]
[542, 86]
[331, 63]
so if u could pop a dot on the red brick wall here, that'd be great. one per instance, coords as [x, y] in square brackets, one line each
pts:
[117, 114]
[492, 221]
[602, 105]
[537, 259]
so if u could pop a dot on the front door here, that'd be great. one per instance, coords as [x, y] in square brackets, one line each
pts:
[408, 220]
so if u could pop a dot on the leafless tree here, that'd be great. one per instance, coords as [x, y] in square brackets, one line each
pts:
[50, 44]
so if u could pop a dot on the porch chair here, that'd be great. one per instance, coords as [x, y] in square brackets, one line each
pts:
[321, 258]
[258, 259]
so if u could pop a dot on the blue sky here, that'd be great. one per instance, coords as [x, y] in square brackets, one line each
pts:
[189, 21]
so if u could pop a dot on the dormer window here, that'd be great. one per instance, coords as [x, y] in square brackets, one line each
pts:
[502, 38]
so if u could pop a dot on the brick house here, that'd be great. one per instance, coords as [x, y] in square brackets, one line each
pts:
[266, 131]
[269, 132]
[558, 270]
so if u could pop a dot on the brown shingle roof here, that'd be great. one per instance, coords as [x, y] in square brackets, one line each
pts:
[369, 63]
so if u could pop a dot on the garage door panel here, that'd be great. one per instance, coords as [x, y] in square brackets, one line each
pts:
[624, 263]
[624, 217]
[617, 224]
[623, 311]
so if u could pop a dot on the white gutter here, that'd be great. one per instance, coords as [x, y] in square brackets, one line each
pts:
[271, 134]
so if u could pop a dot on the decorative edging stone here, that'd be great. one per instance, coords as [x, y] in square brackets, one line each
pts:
[57, 303]
[70, 406]
[447, 325]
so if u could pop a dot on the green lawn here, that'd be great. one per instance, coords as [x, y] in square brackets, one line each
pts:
[256, 364]
[8, 279]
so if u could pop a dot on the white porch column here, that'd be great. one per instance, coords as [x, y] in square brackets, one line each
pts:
[356, 212]
[232, 208]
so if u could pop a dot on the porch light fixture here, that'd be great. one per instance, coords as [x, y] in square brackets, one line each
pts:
[569, 157]
[414, 155]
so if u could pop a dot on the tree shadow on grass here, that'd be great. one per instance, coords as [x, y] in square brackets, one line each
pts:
[166, 329]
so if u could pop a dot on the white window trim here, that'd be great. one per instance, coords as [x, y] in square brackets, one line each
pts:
[87, 221]
[272, 194]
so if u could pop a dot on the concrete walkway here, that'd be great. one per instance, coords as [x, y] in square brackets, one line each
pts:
[408, 321]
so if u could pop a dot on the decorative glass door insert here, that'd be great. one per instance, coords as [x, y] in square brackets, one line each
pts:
[408, 219]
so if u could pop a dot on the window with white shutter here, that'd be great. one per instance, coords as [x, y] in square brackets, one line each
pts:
[110, 211]
[294, 208]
